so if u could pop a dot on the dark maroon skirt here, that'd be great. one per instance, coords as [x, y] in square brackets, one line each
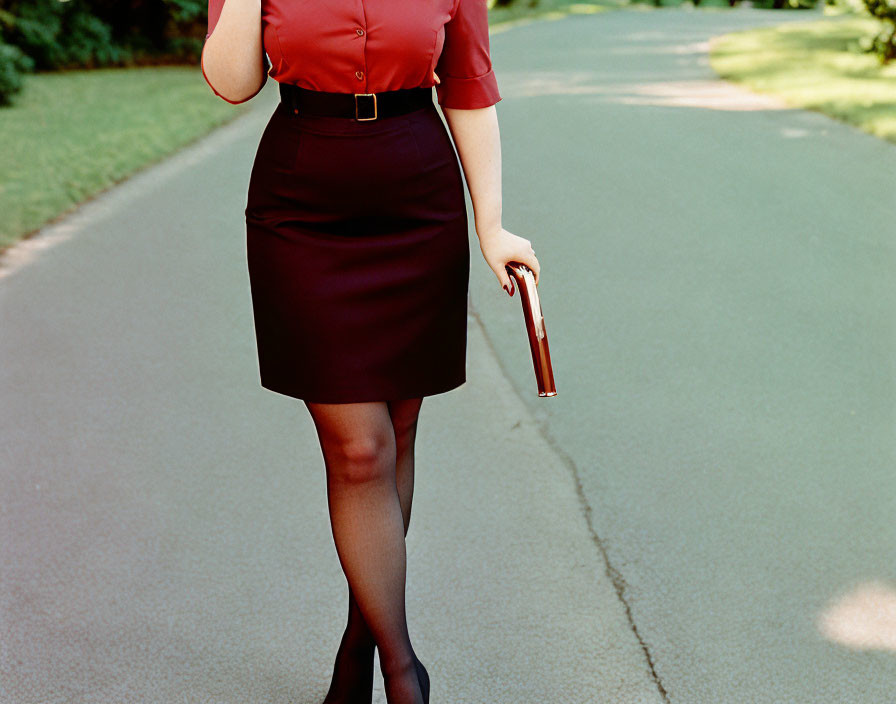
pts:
[358, 257]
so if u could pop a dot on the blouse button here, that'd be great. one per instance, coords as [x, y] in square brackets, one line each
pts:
[359, 75]
[360, 32]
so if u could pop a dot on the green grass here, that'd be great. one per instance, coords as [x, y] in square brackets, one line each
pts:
[520, 11]
[72, 134]
[817, 65]
[704, 4]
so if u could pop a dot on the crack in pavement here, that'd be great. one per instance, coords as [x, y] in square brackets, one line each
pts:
[615, 576]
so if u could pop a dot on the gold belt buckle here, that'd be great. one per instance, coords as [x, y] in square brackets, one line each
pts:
[365, 95]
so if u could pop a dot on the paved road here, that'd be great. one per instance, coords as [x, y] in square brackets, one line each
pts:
[719, 300]
[719, 289]
[163, 526]
[164, 535]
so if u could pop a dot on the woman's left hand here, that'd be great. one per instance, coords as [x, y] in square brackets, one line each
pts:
[500, 248]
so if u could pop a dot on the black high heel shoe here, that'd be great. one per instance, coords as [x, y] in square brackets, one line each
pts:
[423, 677]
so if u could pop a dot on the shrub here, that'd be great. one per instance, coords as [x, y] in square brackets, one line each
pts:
[884, 43]
[13, 65]
[59, 34]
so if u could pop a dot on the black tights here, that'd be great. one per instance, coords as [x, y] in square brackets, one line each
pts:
[368, 451]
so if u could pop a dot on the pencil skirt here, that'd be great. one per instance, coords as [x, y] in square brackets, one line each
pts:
[358, 257]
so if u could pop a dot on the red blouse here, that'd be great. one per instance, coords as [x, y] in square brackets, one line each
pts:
[358, 47]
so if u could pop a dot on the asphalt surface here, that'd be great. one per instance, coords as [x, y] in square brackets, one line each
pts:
[703, 513]
[719, 293]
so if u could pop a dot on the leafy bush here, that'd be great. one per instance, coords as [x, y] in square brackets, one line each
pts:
[884, 44]
[59, 34]
[93, 33]
[13, 64]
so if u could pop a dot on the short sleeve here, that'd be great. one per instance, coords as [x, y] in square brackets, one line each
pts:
[465, 72]
[214, 12]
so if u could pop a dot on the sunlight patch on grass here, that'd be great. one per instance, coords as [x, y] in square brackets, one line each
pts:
[503, 18]
[817, 65]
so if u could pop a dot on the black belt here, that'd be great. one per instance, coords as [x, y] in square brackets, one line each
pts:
[356, 106]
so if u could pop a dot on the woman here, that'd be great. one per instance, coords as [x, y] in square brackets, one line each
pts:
[358, 258]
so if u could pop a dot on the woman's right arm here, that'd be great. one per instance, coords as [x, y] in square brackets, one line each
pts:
[233, 59]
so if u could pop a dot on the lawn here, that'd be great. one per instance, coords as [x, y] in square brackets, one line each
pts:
[817, 65]
[72, 134]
